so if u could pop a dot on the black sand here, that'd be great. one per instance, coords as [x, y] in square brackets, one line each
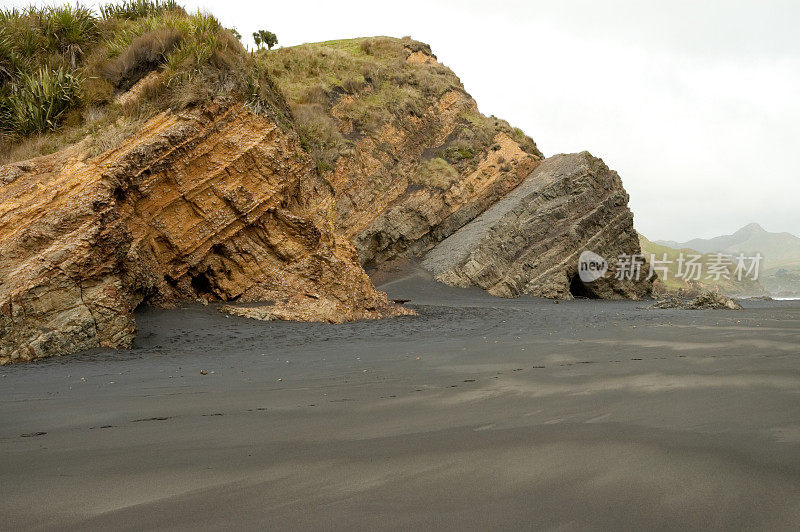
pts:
[481, 413]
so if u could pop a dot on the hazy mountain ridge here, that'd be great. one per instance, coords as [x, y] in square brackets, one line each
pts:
[778, 249]
[673, 283]
[780, 267]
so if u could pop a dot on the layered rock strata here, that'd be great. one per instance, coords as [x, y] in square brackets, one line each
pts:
[212, 204]
[529, 242]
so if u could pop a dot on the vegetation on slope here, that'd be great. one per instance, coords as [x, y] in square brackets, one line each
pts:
[69, 73]
[65, 69]
[372, 83]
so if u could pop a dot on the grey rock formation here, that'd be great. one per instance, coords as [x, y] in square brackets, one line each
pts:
[529, 241]
[704, 301]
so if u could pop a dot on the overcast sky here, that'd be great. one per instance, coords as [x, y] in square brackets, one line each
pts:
[695, 104]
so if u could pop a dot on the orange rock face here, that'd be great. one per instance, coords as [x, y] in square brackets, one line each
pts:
[418, 159]
[215, 204]
[387, 214]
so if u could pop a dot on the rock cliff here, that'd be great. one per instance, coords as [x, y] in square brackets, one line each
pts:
[383, 155]
[417, 160]
[437, 177]
[529, 241]
[215, 203]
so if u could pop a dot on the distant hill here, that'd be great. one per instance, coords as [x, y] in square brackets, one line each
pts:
[780, 269]
[778, 249]
[672, 283]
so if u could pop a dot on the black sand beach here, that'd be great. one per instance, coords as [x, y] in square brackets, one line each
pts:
[480, 413]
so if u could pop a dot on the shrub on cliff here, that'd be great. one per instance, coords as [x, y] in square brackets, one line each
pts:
[319, 135]
[133, 9]
[37, 101]
[47, 36]
[78, 65]
[436, 173]
[40, 51]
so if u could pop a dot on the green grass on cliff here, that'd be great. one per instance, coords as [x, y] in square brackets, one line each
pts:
[349, 65]
[62, 70]
[369, 82]
[66, 75]
[373, 71]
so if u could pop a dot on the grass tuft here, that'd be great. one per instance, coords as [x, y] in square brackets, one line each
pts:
[61, 67]
[135, 9]
[436, 173]
[146, 53]
[38, 101]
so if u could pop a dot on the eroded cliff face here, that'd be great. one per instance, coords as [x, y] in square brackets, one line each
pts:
[418, 217]
[389, 211]
[418, 159]
[216, 204]
[437, 177]
[529, 241]
[387, 157]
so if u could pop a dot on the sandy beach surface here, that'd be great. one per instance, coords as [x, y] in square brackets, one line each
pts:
[480, 413]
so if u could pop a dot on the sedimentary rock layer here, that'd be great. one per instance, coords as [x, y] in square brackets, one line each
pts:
[216, 204]
[428, 164]
[529, 241]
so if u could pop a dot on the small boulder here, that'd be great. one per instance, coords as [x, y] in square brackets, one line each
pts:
[714, 300]
[706, 300]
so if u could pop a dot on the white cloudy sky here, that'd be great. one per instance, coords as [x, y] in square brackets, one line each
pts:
[695, 104]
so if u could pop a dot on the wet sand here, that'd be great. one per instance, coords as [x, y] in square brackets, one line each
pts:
[480, 413]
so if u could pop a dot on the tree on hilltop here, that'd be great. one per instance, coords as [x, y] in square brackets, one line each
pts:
[266, 38]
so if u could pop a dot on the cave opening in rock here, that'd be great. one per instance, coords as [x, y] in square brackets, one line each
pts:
[201, 284]
[579, 290]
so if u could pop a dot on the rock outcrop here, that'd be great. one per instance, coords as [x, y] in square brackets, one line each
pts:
[420, 160]
[384, 156]
[704, 301]
[529, 241]
[216, 203]
[419, 217]
[436, 174]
